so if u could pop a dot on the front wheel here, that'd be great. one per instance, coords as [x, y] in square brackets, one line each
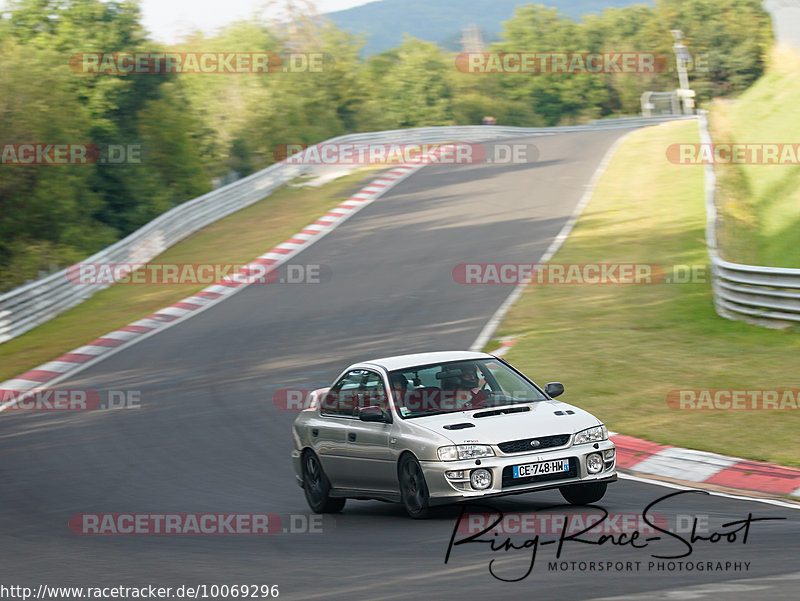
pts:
[583, 494]
[317, 487]
[413, 489]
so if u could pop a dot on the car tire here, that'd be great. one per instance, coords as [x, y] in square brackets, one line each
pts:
[317, 487]
[583, 494]
[413, 488]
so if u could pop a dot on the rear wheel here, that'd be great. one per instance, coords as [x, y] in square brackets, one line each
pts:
[413, 489]
[583, 494]
[317, 487]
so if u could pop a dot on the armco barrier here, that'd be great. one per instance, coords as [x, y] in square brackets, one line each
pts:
[37, 302]
[765, 296]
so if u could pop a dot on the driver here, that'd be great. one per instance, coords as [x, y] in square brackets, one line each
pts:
[470, 388]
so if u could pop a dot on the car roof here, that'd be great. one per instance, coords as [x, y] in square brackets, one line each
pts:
[418, 359]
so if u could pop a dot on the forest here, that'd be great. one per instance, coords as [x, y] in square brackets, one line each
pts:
[194, 131]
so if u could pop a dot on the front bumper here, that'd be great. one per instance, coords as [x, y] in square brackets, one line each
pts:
[447, 490]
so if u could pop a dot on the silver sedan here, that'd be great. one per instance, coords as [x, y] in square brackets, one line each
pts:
[436, 428]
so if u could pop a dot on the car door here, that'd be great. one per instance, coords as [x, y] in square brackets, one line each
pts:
[370, 460]
[329, 432]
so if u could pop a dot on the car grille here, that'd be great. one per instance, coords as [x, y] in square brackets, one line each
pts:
[545, 442]
[509, 480]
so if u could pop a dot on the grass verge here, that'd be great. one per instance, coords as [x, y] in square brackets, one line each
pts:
[236, 239]
[620, 349]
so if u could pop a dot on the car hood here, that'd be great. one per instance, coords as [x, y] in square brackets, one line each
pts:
[511, 422]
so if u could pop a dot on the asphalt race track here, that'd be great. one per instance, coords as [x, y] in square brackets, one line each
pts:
[208, 437]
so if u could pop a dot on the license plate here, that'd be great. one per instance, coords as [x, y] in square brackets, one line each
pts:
[543, 467]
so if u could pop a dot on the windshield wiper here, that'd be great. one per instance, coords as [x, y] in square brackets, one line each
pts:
[427, 413]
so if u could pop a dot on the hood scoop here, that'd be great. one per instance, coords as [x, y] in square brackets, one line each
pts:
[502, 411]
[458, 426]
[567, 412]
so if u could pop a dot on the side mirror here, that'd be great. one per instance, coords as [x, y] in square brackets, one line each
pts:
[553, 389]
[374, 414]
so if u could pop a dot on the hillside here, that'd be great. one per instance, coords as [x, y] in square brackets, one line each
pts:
[384, 23]
[760, 203]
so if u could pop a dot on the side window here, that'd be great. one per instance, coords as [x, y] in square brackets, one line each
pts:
[342, 399]
[374, 393]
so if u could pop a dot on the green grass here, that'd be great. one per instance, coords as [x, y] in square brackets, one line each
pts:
[619, 349]
[236, 239]
[760, 204]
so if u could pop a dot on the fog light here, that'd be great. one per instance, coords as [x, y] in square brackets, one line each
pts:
[608, 454]
[594, 463]
[480, 479]
[459, 475]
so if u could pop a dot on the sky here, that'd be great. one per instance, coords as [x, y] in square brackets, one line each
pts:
[167, 20]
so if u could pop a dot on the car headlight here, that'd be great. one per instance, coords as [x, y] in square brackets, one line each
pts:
[595, 434]
[464, 451]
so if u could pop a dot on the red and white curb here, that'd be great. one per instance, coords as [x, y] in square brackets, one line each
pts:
[68, 364]
[506, 342]
[644, 457]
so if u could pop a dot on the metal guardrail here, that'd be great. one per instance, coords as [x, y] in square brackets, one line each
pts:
[34, 303]
[39, 301]
[765, 296]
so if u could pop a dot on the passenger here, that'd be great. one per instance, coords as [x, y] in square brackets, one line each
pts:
[399, 388]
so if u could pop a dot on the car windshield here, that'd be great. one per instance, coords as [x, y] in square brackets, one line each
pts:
[459, 386]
